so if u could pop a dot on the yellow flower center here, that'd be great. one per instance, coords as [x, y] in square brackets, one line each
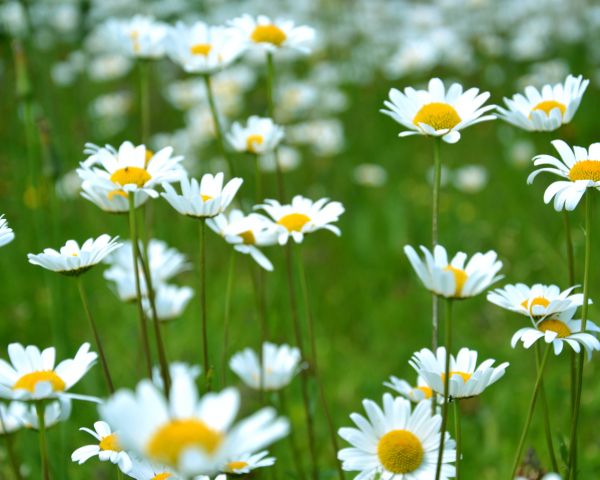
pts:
[233, 466]
[541, 301]
[554, 326]
[426, 390]
[585, 170]
[465, 376]
[149, 155]
[294, 221]
[30, 380]
[135, 40]
[201, 49]
[162, 476]
[254, 141]
[248, 237]
[460, 277]
[438, 116]
[176, 436]
[206, 198]
[268, 34]
[119, 192]
[130, 175]
[548, 105]
[400, 451]
[110, 442]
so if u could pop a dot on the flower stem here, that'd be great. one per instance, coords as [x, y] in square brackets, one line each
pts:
[41, 411]
[545, 411]
[205, 358]
[88, 313]
[571, 272]
[271, 113]
[458, 434]
[258, 284]
[226, 317]
[448, 347]
[258, 179]
[294, 450]
[532, 402]
[217, 122]
[138, 290]
[435, 302]
[144, 67]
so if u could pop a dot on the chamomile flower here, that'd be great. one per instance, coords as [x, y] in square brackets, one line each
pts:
[176, 369]
[11, 417]
[271, 35]
[437, 111]
[466, 378]
[579, 167]
[74, 260]
[246, 233]
[546, 109]
[559, 330]
[107, 448]
[260, 135]
[538, 301]
[170, 301]
[454, 279]
[32, 375]
[302, 216]
[247, 462]
[279, 365]
[54, 412]
[6, 233]
[144, 470]
[108, 200]
[191, 435]
[206, 199]
[396, 443]
[141, 36]
[415, 394]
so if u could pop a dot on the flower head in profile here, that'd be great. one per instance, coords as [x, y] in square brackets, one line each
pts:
[421, 391]
[245, 463]
[547, 109]
[32, 374]
[457, 278]
[580, 168]
[107, 448]
[396, 443]
[6, 233]
[302, 216]
[74, 260]
[260, 135]
[140, 36]
[170, 301]
[436, 111]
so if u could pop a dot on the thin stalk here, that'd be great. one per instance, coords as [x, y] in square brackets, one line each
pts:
[572, 464]
[546, 414]
[120, 475]
[458, 433]
[226, 317]
[88, 313]
[258, 179]
[571, 273]
[257, 282]
[39, 407]
[138, 291]
[536, 389]
[217, 122]
[205, 357]
[271, 113]
[294, 450]
[448, 347]
[144, 66]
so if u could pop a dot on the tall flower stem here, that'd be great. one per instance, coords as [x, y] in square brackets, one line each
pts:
[135, 247]
[572, 464]
[458, 434]
[205, 356]
[258, 284]
[315, 368]
[448, 347]
[546, 413]
[144, 70]
[571, 273]
[217, 122]
[258, 178]
[40, 410]
[88, 313]
[294, 450]
[536, 389]
[437, 180]
[271, 113]
[227, 315]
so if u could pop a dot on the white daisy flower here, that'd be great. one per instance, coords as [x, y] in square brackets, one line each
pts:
[559, 330]
[579, 166]
[108, 448]
[538, 301]
[247, 462]
[438, 112]
[110, 201]
[246, 233]
[74, 260]
[6, 233]
[466, 378]
[54, 412]
[206, 199]
[144, 470]
[396, 444]
[170, 301]
[191, 435]
[546, 109]
[141, 36]
[11, 417]
[31, 374]
[271, 35]
[131, 169]
[176, 369]
[302, 216]
[260, 135]
[279, 365]
[454, 279]
[200, 48]
[415, 394]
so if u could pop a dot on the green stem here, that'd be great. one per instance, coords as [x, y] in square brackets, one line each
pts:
[229, 289]
[144, 66]
[271, 113]
[205, 358]
[458, 434]
[569, 247]
[257, 282]
[532, 402]
[258, 179]
[448, 347]
[546, 414]
[217, 122]
[39, 407]
[120, 475]
[294, 450]
[88, 313]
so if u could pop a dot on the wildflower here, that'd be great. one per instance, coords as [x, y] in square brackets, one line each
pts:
[259, 136]
[107, 449]
[6, 233]
[415, 394]
[170, 301]
[140, 37]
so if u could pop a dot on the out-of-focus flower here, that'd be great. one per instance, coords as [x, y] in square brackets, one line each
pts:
[170, 301]
[415, 394]
[6, 233]
[259, 136]
[370, 175]
[288, 158]
[470, 178]
[141, 36]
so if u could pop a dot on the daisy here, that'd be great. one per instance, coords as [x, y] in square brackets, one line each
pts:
[11, 417]
[395, 443]
[194, 436]
[176, 369]
[302, 216]
[246, 462]
[545, 110]
[438, 112]
[279, 365]
[54, 412]
[271, 35]
[259, 136]
[170, 301]
[107, 449]
[109, 200]
[32, 375]
[74, 260]
[415, 394]
[246, 233]
[141, 36]
[6, 233]
[559, 330]
[206, 199]
[131, 169]
[454, 279]
[579, 167]
[466, 378]
[538, 301]
[144, 470]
